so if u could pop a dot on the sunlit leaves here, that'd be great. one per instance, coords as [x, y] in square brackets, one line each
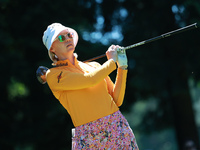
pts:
[17, 89]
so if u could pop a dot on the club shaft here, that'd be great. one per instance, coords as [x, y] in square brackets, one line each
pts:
[183, 29]
[192, 26]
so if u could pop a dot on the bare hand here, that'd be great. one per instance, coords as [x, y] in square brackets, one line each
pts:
[111, 53]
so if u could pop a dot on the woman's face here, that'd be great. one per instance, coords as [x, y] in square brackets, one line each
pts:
[65, 48]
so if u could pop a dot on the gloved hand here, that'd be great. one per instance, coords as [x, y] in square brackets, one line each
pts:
[122, 61]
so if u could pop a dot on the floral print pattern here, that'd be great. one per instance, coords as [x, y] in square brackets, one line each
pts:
[107, 133]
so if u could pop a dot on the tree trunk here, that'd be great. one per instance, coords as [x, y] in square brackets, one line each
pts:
[184, 120]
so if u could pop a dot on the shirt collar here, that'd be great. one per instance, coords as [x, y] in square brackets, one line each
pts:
[66, 62]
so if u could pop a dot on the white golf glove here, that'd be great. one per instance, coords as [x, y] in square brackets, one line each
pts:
[122, 58]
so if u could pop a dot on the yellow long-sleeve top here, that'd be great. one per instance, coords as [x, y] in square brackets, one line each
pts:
[85, 90]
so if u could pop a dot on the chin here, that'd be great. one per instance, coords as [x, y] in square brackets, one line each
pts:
[70, 48]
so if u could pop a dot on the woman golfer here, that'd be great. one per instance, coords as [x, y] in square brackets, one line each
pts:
[87, 93]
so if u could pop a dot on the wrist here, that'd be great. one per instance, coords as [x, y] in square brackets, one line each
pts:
[113, 59]
[124, 67]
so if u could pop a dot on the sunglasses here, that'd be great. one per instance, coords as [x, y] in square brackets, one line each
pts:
[62, 38]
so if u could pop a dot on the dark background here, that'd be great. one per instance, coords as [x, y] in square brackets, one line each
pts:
[162, 100]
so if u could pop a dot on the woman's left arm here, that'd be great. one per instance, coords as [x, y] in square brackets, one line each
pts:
[117, 90]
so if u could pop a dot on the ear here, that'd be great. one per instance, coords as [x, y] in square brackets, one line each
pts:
[52, 50]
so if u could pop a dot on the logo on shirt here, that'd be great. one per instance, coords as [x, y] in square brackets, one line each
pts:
[59, 76]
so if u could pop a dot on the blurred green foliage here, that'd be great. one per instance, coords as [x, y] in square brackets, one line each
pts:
[157, 92]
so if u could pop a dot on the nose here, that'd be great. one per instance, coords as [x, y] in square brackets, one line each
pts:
[70, 35]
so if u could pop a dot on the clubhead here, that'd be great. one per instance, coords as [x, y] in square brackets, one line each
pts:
[41, 74]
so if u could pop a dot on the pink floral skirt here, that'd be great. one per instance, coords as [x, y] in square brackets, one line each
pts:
[107, 133]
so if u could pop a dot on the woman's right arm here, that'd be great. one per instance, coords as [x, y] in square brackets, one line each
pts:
[73, 81]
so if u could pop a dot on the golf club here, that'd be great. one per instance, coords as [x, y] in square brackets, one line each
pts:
[41, 71]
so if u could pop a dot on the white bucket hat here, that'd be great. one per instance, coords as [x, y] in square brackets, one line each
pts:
[52, 32]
